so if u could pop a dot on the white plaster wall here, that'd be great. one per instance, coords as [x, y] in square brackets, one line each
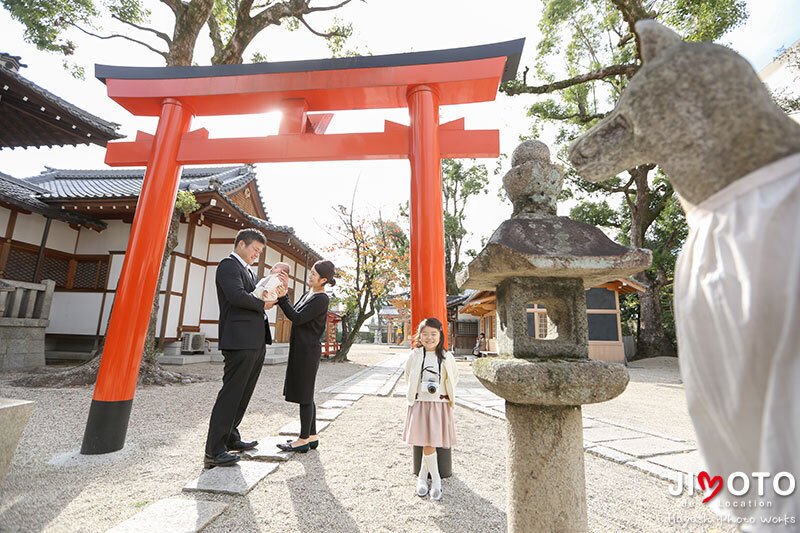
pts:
[75, 313]
[178, 274]
[273, 255]
[107, 312]
[183, 230]
[202, 234]
[221, 232]
[5, 215]
[210, 309]
[160, 316]
[115, 270]
[218, 252]
[62, 237]
[211, 330]
[113, 238]
[29, 228]
[172, 318]
[301, 272]
[291, 262]
[194, 296]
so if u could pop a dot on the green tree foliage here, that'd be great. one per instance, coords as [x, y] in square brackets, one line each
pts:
[379, 251]
[231, 24]
[587, 54]
[459, 184]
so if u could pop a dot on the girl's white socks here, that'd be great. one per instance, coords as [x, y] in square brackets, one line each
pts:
[436, 480]
[422, 478]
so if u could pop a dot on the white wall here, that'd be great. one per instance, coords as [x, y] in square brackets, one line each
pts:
[183, 230]
[178, 275]
[273, 255]
[221, 232]
[202, 234]
[5, 215]
[62, 237]
[194, 296]
[75, 313]
[113, 238]
[210, 309]
[218, 252]
[115, 270]
[29, 228]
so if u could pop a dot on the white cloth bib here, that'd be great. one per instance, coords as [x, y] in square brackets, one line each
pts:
[737, 318]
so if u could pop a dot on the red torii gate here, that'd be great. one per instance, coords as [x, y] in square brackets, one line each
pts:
[421, 81]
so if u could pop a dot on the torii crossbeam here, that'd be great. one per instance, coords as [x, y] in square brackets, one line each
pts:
[305, 92]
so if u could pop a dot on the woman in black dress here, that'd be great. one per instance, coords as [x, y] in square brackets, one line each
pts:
[308, 319]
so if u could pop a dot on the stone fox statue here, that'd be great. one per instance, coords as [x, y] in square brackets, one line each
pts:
[699, 111]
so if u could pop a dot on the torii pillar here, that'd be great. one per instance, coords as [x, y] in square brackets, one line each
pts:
[420, 81]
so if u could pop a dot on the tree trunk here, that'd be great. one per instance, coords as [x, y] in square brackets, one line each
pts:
[652, 339]
[189, 20]
[349, 338]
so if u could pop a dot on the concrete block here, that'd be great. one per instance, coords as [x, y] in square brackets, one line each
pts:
[173, 515]
[606, 433]
[238, 479]
[267, 450]
[348, 397]
[14, 416]
[328, 414]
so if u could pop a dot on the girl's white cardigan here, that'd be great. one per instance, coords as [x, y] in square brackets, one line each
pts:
[413, 369]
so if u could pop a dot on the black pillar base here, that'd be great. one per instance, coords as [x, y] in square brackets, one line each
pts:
[443, 459]
[106, 427]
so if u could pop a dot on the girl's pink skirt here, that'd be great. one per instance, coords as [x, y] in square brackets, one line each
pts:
[430, 424]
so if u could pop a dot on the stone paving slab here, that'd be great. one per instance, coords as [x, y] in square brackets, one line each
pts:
[267, 450]
[173, 515]
[328, 414]
[348, 397]
[611, 455]
[648, 446]
[293, 428]
[606, 433]
[238, 479]
[336, 404]
[667, 474]
[591, 423]
[691, 462]
[377, 380]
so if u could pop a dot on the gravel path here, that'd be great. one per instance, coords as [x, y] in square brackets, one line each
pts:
[358, 480]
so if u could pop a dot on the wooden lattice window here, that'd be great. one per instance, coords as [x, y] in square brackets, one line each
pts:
[21, 264]
[467, 328]
[90, 274]
[55, 268]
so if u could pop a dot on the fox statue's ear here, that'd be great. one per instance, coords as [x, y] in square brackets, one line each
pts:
[654, 38]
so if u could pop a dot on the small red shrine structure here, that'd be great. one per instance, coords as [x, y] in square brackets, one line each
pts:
[306, 92]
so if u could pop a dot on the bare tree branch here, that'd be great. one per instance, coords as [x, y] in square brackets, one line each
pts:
[216, 35]
[315, 32]
[174, 5]
[512, 88]
[87, 32]
[161, 35]
[326, 8]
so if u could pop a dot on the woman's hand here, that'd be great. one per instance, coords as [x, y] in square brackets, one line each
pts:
[269, 304]
[281, 291]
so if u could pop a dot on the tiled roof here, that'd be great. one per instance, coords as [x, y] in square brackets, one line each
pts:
[62, 184]
[33, 116]
[25, 196]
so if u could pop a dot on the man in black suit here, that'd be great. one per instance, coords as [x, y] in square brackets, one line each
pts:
[243, 336]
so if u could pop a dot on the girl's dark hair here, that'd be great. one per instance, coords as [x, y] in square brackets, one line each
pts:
[326, 270]
[431, 323]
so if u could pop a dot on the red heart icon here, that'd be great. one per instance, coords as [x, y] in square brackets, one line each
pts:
[707, 482]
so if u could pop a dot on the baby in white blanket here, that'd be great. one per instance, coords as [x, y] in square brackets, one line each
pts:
[267, 287]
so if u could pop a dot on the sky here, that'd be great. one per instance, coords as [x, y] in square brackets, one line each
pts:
[302, 195]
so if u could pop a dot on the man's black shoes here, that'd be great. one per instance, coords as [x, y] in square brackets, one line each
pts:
[241, 446]
[221, 459]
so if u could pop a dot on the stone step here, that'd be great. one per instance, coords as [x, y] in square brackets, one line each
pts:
[238, 479]
[173, 515]
[348, 397]
[267, 450]
[336, 404]
[328, 414]
[293, 428]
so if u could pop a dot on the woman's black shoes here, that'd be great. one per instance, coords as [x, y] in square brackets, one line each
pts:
[314, 444]
[289, 448]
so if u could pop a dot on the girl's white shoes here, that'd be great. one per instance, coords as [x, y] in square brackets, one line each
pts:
[422, 487]
[436, 490]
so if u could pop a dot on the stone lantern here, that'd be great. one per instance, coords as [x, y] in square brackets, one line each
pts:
[537, 257]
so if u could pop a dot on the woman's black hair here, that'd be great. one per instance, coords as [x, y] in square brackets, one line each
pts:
[435, 323]
[326, 270]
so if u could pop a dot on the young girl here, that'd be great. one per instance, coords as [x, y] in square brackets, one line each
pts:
[432, 375]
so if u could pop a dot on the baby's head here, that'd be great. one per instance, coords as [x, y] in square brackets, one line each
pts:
[279, 267]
